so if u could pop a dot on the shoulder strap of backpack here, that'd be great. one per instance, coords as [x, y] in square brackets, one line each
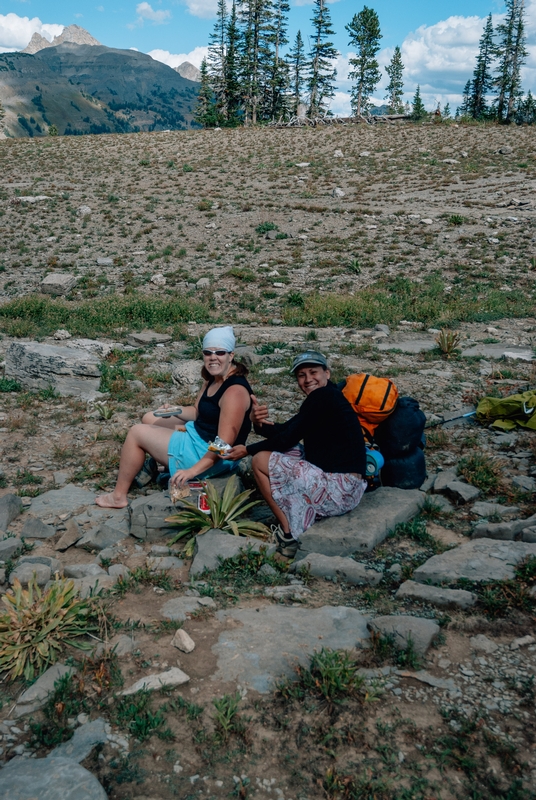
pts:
[362, 389]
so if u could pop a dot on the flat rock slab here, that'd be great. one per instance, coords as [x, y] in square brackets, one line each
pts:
[147, 337]
[343, 569]
[499, 351]
[478, 560]
[103, 536]
[434, 596]
[506, 531]
[10, 508]
[180, 608]
[409, 346]
[61, 501]
[8, 547]
[172, 677]
[36, 696]
[365, 527]
[48, 779]
[485, 509]
[85, 738]
[69, 370]
[261, 648]
[214, 546]
[94, 584]
[405, 629]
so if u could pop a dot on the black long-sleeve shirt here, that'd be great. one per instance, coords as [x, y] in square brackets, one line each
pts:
[329, 428]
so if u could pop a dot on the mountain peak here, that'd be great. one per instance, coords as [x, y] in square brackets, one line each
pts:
[73, 34]
[189, 71]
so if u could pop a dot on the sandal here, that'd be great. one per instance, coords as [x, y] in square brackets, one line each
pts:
[147, 474]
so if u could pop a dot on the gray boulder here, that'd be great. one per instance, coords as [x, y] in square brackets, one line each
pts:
[48, 779]
[484, 509]
[8, 547]
[442, 480]
[405, 629]
[48, 561]
[180, 608]
[83, 570]
[72, 534]
[85, 738]
[529, 534]
[145, 338]
[148, 517]
[187, 374]
[363, 528]
[159, 563]
[58, 283]
[10, 508]
[524, 483]
[462, 492]
[34, 528]
[69, 370]
[93, 584]
[344, 569]
[26, 572]
[478, 560]
[215, 545]
[434, 596]
[103, 536]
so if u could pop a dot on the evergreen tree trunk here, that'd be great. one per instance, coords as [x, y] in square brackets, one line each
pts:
[395, 88]
[297, 66]
[511, 52]
[321, 72]
[217, 51]
[482, 78]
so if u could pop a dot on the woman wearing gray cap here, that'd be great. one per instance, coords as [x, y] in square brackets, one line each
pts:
[322, 477]
[181, 441]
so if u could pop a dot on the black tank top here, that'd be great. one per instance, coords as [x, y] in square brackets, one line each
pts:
[208, 411]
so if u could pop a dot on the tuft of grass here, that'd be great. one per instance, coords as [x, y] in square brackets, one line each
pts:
[448, 342]
[415, 530]
[332, 676]
[385, 649]
[9, 385]
[67, 700]
[264, 227]
[33, 315]
[36, 624]
[134, 714]
[227, 720]
[481, 471]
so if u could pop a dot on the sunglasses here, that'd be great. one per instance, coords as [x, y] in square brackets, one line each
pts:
[215, 352]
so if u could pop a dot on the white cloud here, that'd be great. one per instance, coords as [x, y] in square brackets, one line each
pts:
[16, 32]
[340, 105]
[145, 11]
[205, 9]
[195, 56]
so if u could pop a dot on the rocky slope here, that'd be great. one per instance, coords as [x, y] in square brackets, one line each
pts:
[73, 34]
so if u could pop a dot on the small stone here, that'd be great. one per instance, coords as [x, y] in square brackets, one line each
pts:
[345, 569]
[338, 154]
[203, 283]
[83, 211]
[267, 569]
[405, 628]
[172, 677]
[82, 570]
[182, 641]
[158, 279]
[208, 602]
[180, 608]
[71, 536]
[36, 529]
[159, 563]
[427, 221]
[105, 262]
[296, 592]
[10, 508]
[462, 492]
[118, 571]
[483, 509]
[483, 644]
[523, 641]
[61, 478]
[93, 584]
[39, 691]
[338, 193]
[438, 597]
[524, 483]
[61, 335]
[450, 161]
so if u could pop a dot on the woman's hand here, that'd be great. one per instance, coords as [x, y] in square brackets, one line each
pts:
[259, 414]
[181, 477]
[235, 453]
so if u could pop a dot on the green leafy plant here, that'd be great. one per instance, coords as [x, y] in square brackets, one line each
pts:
[480, 471]
[332, 674]
[104, 411]
[227, 718]
[9, 385]
[448, 342]
[223, 515]
[264, 227]
[456, 219]
[134, 713]
[36, 624]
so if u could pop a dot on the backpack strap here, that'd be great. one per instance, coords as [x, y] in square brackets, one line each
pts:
[362, 389]
[387, 393]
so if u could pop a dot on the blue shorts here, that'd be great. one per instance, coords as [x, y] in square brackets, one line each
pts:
[186, 448]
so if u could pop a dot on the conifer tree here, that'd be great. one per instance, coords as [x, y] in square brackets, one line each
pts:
[298, 64]
[2, 115]
[395, 87]
[482, 77]
[277, 85]
[511, 52]
[465, 108]
[526, 110]
[217, 51]
[418, 110]
[322, 73]
[233, 92]
[205, 113]
[446, 111]
[365, 35]
[255, 16]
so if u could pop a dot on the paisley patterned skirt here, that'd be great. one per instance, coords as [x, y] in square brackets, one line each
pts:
[305, 493]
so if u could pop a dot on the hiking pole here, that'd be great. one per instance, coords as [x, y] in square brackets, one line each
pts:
[452, 419]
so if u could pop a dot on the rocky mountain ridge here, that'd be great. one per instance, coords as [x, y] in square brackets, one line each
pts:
[72, 33]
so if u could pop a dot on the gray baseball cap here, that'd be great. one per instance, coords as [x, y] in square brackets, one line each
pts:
[309, 357]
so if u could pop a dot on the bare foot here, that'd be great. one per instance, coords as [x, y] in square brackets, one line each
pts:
[109, 501]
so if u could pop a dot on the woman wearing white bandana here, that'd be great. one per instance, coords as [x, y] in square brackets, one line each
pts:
[180, 442]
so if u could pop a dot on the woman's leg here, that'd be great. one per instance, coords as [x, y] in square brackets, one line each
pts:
[261, 470]
[141, 439]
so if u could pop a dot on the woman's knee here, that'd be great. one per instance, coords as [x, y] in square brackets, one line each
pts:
[259, 462]
[148, 418]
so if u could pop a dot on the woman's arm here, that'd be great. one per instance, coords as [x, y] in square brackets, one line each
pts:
[188, 414]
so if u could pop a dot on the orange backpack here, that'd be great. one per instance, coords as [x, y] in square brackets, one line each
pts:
[372, 399]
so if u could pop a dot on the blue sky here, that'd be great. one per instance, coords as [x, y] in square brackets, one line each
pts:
[439, 40]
